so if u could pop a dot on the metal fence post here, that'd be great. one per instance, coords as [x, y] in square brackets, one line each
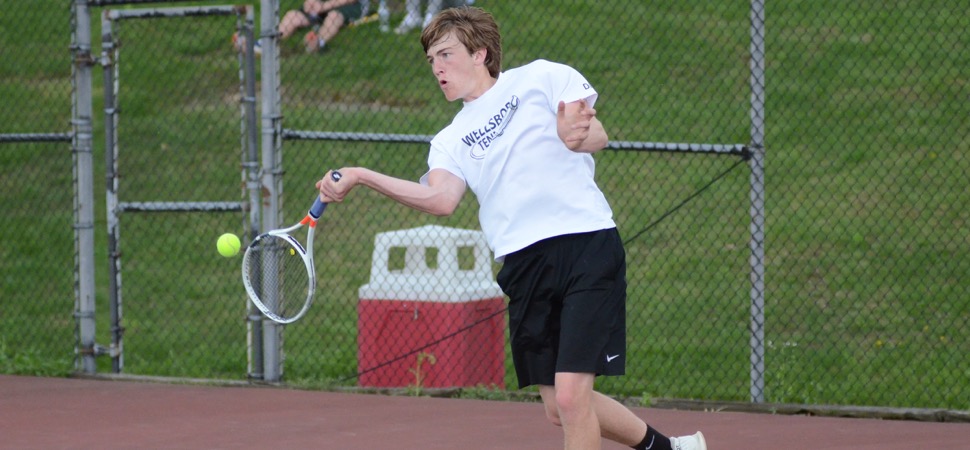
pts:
[82, 144]
[109, 57]
[250, 144]
[756, 162]
[271, 170]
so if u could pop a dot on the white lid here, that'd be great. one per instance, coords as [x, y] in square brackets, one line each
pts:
[447, 282]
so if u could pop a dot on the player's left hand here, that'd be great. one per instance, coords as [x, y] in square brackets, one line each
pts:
[573, 122]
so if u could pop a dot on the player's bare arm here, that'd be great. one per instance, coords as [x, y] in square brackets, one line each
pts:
[579, 128]
[439, 197]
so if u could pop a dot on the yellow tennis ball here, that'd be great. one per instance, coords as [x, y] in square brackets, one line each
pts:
[228, 245]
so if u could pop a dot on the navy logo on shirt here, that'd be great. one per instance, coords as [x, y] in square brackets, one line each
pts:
[481, 138]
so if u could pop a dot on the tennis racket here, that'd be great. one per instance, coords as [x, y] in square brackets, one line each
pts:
[278, 272]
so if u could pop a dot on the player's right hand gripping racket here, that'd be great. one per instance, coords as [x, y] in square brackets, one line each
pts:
[278, 272]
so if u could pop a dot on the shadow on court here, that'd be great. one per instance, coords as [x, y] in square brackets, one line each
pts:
[52, 413]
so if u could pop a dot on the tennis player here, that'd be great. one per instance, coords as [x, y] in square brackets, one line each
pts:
[523, 142]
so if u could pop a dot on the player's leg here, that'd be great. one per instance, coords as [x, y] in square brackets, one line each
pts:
[573, 397]
[548, 395]
[614, 421]
[617, 422]
[593, 334]
[560, 351]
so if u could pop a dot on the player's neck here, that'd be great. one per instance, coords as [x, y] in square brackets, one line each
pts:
[481, 87]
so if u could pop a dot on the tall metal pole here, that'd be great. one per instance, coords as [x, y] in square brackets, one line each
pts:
[111, 71]
[82, 147]
[757, 164]
[250, 143]
[272, 173]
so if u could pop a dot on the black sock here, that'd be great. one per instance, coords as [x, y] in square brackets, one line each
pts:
[653, 441]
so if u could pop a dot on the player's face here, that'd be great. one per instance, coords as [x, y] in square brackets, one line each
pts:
[459, 73]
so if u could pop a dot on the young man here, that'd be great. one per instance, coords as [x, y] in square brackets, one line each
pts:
[523, 142]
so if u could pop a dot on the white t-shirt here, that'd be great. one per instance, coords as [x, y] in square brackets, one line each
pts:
[505, 146]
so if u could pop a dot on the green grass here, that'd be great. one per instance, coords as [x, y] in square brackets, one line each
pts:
[867, 194]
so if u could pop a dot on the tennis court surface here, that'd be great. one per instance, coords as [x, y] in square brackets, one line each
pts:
[52, 413]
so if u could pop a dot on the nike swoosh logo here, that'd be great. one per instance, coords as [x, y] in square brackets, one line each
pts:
[611, 358]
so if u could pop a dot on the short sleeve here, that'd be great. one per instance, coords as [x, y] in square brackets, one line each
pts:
[568, 85]
[439, 159]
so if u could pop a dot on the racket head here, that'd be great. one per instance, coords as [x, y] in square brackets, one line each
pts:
[277, 272]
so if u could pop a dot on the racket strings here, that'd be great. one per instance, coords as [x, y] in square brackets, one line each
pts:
[278, 275]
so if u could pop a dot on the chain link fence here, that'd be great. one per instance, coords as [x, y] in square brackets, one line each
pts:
[37, 254]
[865, 152]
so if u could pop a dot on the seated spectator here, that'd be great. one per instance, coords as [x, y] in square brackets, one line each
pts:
[325, 17]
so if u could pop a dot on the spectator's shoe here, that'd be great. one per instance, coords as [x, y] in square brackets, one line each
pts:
[409, 23]
[239, 44]
[312, 42]
[693, 442]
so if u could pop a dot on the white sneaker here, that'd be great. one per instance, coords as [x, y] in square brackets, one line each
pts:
[693, 442]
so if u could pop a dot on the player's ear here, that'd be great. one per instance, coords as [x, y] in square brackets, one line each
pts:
[479, 56]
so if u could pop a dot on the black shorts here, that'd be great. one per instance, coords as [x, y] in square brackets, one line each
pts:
[567, 306]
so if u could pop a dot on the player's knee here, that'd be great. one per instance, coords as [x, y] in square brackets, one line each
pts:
[552, 414]
[570, 405]
[549, 404]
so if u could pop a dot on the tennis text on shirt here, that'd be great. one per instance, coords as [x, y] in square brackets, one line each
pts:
[480, 139]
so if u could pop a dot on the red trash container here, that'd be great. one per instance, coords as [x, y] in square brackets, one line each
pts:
[438, 320]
